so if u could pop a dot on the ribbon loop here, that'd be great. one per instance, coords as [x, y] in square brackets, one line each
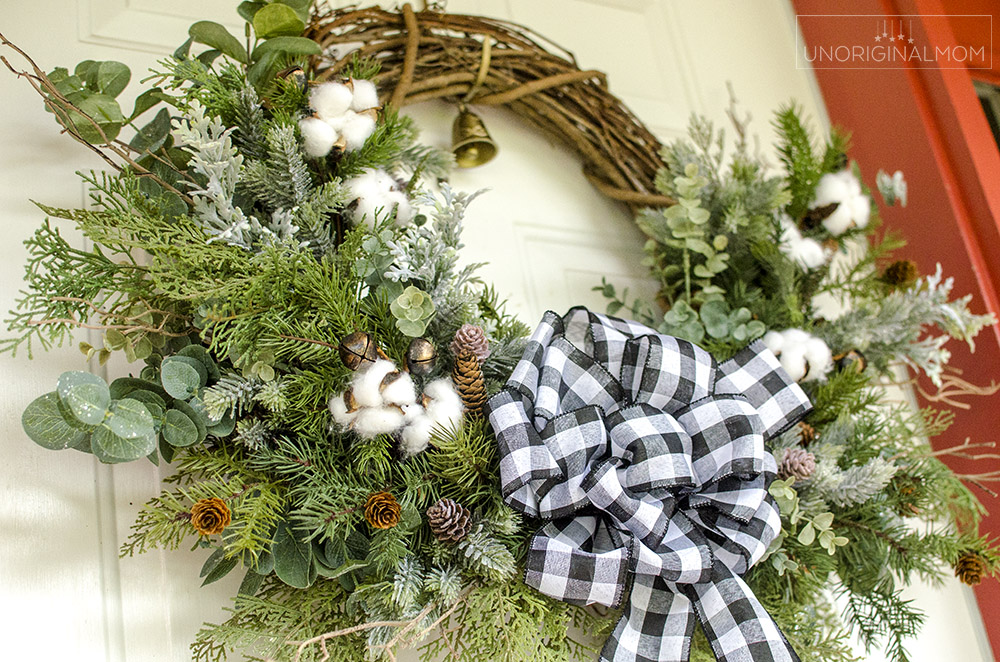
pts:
[646, 458]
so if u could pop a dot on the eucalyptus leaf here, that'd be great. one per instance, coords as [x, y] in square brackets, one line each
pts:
[180, 379]
[130, 419]
[87, 396]
[219, 569]
[124, 386]
[153, 136]
[167, 451]
[301, 8]
[251, 583]
[112, 78]
[201, 355]
[247, 10]
[292, 558]
[178, 429]
[45, 425]
[295, 46]
[194, 415]
[217, 36]
[277, 20]
[110, 448]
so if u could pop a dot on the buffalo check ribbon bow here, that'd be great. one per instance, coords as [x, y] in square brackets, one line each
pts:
[646, 459]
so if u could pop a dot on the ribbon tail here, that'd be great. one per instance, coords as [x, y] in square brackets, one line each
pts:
[656, 627]
[735, 622]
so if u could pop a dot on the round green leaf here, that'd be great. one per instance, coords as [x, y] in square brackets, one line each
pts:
[110, 448]
[112, 78]
[201, 355]
[215, 35]
[45, 425]
[223, 428]
[130, 419]
[126, 386]
[287, 46]
[195, 414]
[277, 20]
[85, 395]
[179, 378]
[178, 429]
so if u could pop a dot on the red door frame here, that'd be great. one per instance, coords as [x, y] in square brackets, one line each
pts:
[928, 122]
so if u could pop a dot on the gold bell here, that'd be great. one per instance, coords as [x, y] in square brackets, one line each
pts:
[470, 143]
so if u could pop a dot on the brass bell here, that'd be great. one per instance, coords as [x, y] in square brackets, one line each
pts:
[470, 142]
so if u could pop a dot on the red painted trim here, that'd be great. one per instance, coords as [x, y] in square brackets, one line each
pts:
[928, 122]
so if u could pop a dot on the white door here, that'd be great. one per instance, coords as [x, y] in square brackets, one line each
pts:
[548, 236]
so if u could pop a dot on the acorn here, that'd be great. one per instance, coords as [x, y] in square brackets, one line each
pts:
[356, 349]
[420, 357]
[851, 360]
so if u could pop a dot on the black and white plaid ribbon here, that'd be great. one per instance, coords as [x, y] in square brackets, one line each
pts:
[646, 458]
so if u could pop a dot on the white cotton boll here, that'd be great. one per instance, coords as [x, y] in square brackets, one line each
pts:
[853, 185]
[339, 410]
[404, 211]
[356, 131]
[839, 221]
[793, 360]
[774, 341]
[365, 95]
[445, 406]
[331, 100]
[367, 383]
[319, 136]
[819, 358]
[400, 392]
[417, 435]
[411, 412]
[810, 254]
[861, 209]
[832, 187]
[795, 338]
[374, 421]
[374, 192]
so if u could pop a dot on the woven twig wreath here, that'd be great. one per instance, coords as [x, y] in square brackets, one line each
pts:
[482, 61]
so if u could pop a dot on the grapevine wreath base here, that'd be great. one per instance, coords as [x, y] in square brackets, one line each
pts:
[358, 428]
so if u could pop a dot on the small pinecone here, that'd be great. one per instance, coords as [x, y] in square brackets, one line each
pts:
[798, 462]
[382, 510]
[807, 433]
[468, 378]
[970, 568]
[450, 521]
[471, 339]
[900, 273]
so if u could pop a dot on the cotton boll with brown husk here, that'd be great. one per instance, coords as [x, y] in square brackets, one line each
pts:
[331, 100]
[367, 383]
[802, 355]
[442, 408]
[348, 112]
[807, 253]
[374, 403]
[853, 206]
[376, 195]
[364, 96]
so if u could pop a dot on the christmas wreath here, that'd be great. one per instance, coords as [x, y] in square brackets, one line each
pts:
[357, 427]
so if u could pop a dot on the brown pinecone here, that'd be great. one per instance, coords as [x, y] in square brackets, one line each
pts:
[382, 510]
[807, 433]
[471, 339]
[450, 521]
[797, 462]
[210, 516]
[468, 378]
[970, 568]
[900, 273]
